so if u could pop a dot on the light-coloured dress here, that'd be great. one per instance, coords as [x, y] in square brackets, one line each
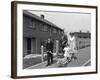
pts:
[67, 52]
[72, 44]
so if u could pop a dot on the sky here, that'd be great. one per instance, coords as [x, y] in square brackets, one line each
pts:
[69, 21]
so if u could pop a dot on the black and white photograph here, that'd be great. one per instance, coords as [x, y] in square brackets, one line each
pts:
[56, 39]
[53, 39]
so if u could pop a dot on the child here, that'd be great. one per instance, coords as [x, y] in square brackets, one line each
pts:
[67, 56]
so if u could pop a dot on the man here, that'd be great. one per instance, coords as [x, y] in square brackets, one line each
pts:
[49, 49]
[63, 42]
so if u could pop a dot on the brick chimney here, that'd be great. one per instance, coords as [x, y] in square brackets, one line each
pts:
[42, 16]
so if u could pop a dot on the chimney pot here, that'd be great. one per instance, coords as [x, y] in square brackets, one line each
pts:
[42, 16]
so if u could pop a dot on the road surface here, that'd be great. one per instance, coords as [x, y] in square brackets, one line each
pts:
[83, 59]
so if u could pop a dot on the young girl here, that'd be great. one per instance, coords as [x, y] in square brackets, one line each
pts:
[67, 54]
[66, 58]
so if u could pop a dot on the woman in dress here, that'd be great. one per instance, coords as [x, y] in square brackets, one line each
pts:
[72, 44]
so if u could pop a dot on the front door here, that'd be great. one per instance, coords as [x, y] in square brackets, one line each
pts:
[29, 45]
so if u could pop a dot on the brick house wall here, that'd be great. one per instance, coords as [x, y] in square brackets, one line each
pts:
[35, 31]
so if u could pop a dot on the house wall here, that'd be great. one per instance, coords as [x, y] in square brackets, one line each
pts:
[38, 33]
[82, 42]
[24, 46]
[33, 45]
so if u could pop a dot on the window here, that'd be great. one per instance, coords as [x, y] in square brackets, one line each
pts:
[43, 42]
[59, 31]
[45, 27]
[40, 24]
[32, 23]
[54, 30]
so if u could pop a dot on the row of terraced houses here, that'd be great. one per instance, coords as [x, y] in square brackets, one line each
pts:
[36, 31]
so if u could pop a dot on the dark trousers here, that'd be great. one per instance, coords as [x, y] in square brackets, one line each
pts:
[74, 57]
[49, 58]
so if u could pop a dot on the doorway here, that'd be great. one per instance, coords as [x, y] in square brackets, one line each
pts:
[29, 45]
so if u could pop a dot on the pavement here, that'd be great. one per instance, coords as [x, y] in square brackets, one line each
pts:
[43, 65]
[83, 59]
[35, 56]
[34, 59]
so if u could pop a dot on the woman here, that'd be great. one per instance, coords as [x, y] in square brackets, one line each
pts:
[72, 43]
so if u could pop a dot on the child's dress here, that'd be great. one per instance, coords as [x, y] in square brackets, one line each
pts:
[62, 61]
[67, 52]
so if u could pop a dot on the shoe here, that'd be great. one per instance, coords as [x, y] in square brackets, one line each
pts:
[69, 60]
[47, 64]
[52, 63]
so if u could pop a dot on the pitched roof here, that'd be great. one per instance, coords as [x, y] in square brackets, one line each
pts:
[40, 19]
[81, 34]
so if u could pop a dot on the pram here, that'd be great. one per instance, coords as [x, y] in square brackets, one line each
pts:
[67, 57]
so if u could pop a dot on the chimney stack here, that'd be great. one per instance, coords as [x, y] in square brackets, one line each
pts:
[42, 16]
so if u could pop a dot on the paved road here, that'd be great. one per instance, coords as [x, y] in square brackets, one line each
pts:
[83, 56]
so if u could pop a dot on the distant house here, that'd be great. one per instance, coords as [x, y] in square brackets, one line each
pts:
[83, 39]
[36, 30]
